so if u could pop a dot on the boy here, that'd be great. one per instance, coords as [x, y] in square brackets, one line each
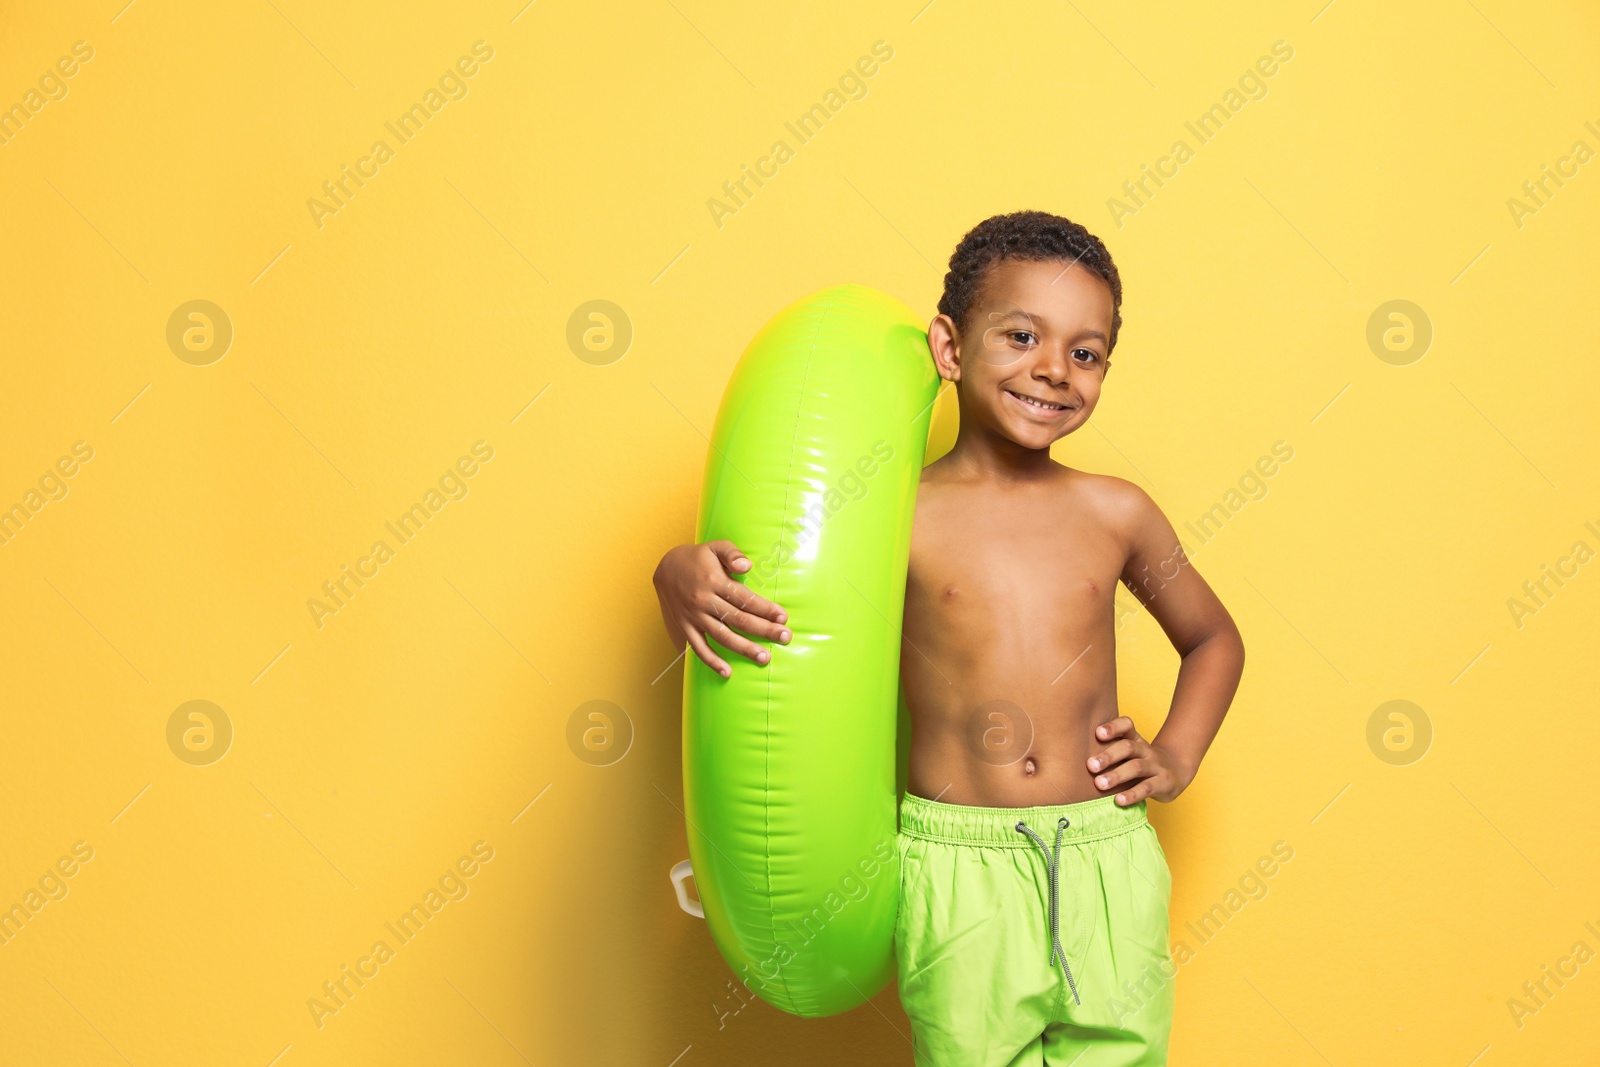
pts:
[1033, 916]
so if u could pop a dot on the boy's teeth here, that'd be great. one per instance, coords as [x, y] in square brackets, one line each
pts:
[1037, 404]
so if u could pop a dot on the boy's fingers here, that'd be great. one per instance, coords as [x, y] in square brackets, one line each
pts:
[1115, 753]
[1136, 794]
[1121, 726]
[733, 561]
[697, 642]
[736, 642]
[754, 625]
[1122, 772]
[741, 597]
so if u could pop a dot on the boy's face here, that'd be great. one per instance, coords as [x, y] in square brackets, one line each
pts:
[1038, 330]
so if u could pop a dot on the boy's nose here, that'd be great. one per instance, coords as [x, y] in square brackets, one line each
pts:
[1057, 377]
[1054, 365]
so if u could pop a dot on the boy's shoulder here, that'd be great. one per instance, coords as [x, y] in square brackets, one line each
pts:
[1113, 501]
[1118, 497]
[1115, 504]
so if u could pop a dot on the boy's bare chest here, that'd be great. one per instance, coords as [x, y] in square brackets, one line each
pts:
[976, 560]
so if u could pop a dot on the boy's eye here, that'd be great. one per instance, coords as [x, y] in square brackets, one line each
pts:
[1028, 339]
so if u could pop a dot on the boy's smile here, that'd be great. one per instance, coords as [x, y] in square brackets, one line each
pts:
[1033, 355]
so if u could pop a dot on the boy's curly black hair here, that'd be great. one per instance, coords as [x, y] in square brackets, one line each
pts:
[1031, 235]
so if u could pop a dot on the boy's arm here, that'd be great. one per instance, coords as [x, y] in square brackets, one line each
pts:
[1200, 628]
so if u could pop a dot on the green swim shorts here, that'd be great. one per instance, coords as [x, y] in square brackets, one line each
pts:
[1034, 935]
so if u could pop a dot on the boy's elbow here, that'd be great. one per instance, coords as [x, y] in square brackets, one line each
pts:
[1231, 629]
[1225, 636]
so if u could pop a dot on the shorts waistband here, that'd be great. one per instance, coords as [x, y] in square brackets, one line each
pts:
[962, 824]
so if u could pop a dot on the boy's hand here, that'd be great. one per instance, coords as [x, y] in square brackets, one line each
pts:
[699, 597]
[1130, 757]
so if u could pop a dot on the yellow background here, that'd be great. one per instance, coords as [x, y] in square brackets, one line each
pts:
[430, 712]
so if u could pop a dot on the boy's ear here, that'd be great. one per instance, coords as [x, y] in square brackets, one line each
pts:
[944, 343]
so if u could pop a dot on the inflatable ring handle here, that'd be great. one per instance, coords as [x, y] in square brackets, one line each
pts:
[681, 872]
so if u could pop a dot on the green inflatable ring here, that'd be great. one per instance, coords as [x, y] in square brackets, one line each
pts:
[790, 771]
